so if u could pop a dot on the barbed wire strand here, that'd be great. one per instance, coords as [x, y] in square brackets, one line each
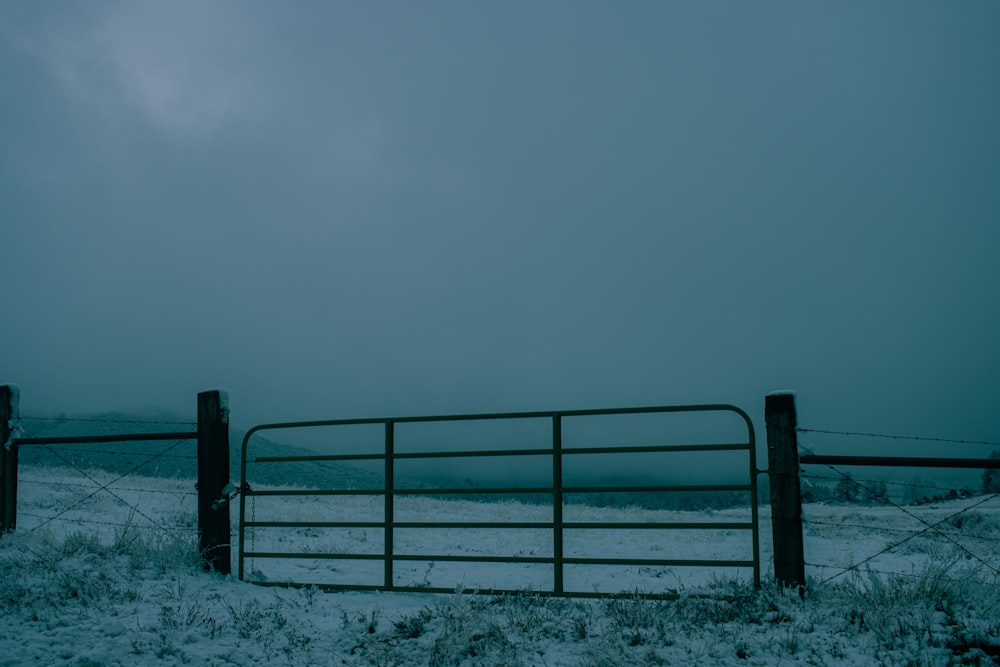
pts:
[973, 536]
[903, 574]
[95, 420]
[28, 480]
[898, 437]
[888, 483]
[103, 488]
[20, 429]
[882, 497]
[929, 527]
[31, 434]
[133, 469]
[99, 451]
[156, 527]
[123, 452]
[808, 448]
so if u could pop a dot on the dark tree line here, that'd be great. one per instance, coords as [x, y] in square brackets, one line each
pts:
[916, 492]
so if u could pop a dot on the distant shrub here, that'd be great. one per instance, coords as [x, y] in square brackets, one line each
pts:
[847, 490]
[991, 478]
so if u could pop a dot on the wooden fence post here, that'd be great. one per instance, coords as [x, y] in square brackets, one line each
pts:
[213, 478]
[786, 495]
[9, 398]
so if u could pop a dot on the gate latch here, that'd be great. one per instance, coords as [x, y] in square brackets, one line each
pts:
[229, 492]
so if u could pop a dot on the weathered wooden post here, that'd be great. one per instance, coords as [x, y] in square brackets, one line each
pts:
[786, 495]
[9, 399]
[213, 478]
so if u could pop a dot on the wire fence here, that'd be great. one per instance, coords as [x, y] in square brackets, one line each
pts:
[943, 492]
[105, 420]
[893, 527]
[132, 486]
[952, 529]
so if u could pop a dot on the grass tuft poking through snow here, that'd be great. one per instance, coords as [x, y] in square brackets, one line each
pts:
[139, 597]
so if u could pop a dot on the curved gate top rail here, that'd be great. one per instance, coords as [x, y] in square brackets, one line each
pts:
[556, 491]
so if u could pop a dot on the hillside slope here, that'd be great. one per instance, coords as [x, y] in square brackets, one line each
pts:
[175, 458]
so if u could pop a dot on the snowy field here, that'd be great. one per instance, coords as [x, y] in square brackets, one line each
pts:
[717, 544]
[113, 581]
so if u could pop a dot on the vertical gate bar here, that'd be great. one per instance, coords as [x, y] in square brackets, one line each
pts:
[241, 549]
[557, 504]
[389, 493]
[754, 519]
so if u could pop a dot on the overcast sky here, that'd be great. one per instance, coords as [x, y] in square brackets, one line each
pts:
[355, 209]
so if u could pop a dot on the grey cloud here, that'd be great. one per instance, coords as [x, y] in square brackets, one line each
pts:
[339, 210]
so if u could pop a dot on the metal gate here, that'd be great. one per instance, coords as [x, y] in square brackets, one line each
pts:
[384, 563]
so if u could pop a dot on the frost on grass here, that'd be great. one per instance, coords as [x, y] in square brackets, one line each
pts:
[139, 597]
[75, 599]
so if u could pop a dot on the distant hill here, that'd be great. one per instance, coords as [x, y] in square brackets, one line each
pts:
[176, 458]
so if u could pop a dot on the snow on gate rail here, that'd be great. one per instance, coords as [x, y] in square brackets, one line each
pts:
[370, 532]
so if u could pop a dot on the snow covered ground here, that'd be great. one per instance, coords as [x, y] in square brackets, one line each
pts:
[114, 581]
[714, 544]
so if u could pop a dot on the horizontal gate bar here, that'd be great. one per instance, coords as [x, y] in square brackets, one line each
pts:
[416, 557]
[307, 556]
[475, 559]
[504, 524]
[499, 490]
[661, 562]
[637, 525]
[315, 524]
[656, 489]
[472, 453]
[609, 449]
[475, 491]
[313, 492]
[714, 407]
[539, 560]
[540, 592]
[899, 461]
[661, 526]
[474, 524]
[574, 489]
[479, 453]
[396, 524]
[576, 561]
[93, 439]
[638, 449]
[317, 457]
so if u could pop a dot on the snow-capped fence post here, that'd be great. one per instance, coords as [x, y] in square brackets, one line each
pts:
[213, 480]
[786, 495]
[8, 458]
